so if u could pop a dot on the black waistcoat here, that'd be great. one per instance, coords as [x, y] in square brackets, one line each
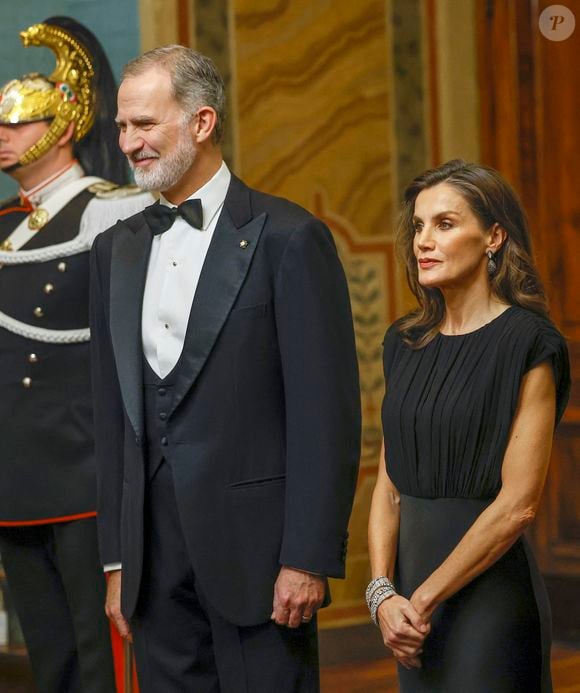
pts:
[158, 397]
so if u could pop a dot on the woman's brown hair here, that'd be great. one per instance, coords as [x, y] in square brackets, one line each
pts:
[492, 200]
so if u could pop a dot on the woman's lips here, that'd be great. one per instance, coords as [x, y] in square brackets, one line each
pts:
[428, 262]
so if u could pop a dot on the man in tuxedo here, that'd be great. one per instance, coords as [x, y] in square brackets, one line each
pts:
[226, 403]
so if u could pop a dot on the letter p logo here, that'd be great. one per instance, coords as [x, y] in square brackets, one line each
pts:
[557, 23]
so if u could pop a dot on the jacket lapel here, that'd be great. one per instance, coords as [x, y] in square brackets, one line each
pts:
[226, 264]
[130, 255]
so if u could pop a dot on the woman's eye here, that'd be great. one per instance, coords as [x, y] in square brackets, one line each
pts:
[444, 225]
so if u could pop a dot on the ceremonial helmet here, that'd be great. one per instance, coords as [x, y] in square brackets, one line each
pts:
[80, 90]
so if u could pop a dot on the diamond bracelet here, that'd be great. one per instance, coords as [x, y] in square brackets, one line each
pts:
[379, 589]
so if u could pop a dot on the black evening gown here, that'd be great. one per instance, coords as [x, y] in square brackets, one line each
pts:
[447, 416]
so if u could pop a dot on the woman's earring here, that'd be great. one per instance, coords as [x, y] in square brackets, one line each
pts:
[491, 263]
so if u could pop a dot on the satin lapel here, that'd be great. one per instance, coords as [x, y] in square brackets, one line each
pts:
[224, 270]
[129, 261]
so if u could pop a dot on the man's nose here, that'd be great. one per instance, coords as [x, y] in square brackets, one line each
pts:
[129, 142]
[4, 133]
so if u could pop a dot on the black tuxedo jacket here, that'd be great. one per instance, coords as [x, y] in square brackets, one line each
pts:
[263, 436]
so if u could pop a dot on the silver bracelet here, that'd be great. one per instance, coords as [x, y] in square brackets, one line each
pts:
[377, 602]
[379, 589]
[381, 581]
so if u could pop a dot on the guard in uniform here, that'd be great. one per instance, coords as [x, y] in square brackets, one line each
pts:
[58, 141]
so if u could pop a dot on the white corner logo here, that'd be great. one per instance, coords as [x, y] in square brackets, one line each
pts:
[557, 23]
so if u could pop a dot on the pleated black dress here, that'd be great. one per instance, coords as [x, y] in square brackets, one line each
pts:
[446, 418]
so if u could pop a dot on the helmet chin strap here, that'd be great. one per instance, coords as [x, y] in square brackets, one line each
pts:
[63, 118]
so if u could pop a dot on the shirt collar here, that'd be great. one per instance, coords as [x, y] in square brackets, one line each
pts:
[41, 192]
[212, 194]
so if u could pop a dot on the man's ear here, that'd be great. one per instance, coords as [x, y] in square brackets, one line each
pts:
[67, 135]
[203, 123]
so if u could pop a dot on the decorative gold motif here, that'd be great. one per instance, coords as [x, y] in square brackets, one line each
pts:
[66, 97]
[28, 99]
[37, 219]
[243, 244]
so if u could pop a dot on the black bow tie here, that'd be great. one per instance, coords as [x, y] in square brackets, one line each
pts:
[161, 217]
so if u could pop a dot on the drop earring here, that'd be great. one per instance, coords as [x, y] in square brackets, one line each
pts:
[491, 263]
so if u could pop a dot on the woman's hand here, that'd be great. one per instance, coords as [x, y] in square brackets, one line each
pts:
[403, 630]
[423, 605]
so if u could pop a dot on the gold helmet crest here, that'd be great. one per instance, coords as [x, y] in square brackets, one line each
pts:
[65, 97]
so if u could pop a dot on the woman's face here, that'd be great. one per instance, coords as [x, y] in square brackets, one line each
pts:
[449, 243]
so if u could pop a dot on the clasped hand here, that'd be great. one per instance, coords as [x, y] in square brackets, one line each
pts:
[297, 596]
[403, 630]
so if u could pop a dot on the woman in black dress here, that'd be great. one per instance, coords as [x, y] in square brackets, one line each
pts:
[477, 377]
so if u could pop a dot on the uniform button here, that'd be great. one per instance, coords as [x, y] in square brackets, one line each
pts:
[61, 267]
[48, 288]
[166, 326]
[32, 358]
[163, 416]
[164, 441]
[38, 312]
[174, 263]
[137, 441]
[26, 382]
[162, 391]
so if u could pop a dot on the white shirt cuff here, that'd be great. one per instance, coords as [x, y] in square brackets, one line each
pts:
[108, 567]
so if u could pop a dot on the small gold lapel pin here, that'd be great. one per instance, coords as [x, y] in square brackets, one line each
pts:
[243, 244]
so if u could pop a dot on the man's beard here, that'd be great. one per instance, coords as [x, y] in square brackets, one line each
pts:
[167, 171]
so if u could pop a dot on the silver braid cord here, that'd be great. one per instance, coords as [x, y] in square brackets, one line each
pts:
[41, 334]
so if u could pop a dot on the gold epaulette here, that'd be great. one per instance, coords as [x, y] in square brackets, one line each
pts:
[105, 190]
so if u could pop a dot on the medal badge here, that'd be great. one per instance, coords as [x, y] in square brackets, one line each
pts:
[37, 219]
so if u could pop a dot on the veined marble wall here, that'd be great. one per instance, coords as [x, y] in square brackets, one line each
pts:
[328, 108]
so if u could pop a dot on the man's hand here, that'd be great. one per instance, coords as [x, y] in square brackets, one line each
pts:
[113, 604]
[297, 595]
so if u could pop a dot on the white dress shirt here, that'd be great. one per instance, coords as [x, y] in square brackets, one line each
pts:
[175, 263]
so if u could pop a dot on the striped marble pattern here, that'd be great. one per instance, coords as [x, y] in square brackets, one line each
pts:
[313, 104]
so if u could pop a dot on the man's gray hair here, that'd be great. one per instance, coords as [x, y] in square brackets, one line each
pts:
[195, 79]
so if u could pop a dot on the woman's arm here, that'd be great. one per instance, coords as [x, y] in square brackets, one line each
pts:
[524, 470]
[402, 629]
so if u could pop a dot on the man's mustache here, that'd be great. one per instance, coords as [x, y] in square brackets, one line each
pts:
[143, 154]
